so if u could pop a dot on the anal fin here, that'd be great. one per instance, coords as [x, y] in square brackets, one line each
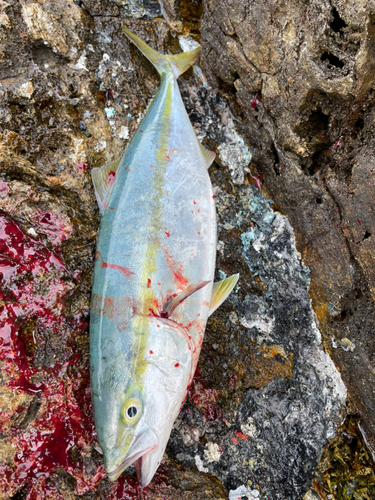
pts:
[221, 291]
[104, 179]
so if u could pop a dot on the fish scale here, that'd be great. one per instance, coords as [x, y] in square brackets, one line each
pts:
[153, 277]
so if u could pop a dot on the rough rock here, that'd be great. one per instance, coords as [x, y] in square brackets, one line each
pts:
[266, 397]
[306, 111]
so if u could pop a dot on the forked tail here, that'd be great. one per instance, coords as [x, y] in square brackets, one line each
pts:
[164, 63]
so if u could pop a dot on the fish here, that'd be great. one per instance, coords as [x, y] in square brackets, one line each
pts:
[153, 286]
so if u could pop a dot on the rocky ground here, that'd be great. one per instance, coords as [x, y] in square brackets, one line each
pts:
[282, 405]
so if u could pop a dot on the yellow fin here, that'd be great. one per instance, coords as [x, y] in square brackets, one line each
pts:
[175, 301]
[103, 179]
[209, 156]
[178, 63]
[221, 291]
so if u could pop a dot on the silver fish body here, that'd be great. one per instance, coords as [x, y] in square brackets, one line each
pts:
[153, 279]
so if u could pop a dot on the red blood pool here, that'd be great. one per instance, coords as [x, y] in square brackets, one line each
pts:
[33, 285]
[53, 226]
[111, 177]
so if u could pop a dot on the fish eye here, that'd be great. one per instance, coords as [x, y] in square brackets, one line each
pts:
[131, 411]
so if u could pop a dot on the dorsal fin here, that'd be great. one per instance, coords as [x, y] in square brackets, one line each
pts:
[171, 304]
[104, 179]
[221, 291]
[209, 156]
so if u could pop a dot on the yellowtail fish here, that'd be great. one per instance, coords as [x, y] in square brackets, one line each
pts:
[153, 278]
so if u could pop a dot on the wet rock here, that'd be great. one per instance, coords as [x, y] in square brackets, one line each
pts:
[305, 109]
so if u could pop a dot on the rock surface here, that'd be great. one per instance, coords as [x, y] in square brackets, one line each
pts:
[311, 67]
[266, 397]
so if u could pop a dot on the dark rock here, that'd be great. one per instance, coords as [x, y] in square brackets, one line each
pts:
[310, 135]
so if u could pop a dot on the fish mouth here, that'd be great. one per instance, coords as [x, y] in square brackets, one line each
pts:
[113, 475]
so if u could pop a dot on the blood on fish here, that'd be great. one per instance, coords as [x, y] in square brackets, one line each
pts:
[177, 270]
[148, 283]
[172, 151]
[151, 352]
[167, 234]
[124, 270]
[103, 305]
[111, 177]
[177, 365]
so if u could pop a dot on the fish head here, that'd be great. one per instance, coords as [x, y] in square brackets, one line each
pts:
[141, 395]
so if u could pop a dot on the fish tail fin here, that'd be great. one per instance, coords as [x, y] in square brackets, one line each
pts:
[182, 62]
[178, 63]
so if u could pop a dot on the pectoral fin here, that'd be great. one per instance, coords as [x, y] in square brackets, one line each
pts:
[104, 179]
[171, 304]
[221, 291]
